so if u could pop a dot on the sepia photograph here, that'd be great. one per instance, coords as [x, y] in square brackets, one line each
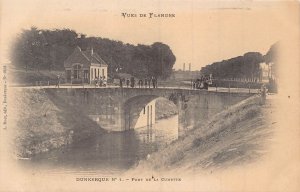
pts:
[150, 95]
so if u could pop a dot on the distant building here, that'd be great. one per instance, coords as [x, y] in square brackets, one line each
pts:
[84, 66]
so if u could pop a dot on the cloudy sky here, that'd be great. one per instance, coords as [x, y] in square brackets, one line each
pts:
[200, 33]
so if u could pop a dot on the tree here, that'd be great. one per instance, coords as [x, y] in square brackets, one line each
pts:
[37, 49]
[163, 60]
[246, 66]
[251, 63]
[271, 55]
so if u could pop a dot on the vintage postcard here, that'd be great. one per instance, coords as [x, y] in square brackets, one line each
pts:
[101, 95]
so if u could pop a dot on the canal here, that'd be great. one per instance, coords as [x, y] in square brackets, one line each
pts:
[109, 153]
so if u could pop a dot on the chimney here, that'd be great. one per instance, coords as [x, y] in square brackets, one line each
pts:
[183, 66]
[189, 66]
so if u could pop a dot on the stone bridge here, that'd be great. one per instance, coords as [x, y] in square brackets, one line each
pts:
[120, 109]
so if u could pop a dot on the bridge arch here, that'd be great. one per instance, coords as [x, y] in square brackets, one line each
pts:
[140, 111]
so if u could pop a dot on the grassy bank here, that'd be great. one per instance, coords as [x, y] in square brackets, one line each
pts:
[45, 122]
[198, 148]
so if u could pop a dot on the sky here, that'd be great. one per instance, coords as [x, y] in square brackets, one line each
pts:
[202, 32]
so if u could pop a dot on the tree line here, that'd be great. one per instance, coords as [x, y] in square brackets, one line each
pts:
[38, 49]
[246, 66]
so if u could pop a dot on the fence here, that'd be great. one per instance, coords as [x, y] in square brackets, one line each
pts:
[237, 84]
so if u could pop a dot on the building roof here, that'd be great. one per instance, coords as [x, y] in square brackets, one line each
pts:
[88, 58]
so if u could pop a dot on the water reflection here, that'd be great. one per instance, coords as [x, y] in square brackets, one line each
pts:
[108, 153]
[163, 132]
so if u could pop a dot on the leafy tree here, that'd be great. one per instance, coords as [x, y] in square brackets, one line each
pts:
[251, 64]
[37, 49]
[271, 55]
[162, 60]
[246, 66]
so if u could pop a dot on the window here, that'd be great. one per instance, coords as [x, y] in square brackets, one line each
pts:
[103, 72]
[95, 73]
[76, 71]
[144, 110]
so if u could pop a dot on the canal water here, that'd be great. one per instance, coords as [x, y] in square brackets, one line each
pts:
[109, 153]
